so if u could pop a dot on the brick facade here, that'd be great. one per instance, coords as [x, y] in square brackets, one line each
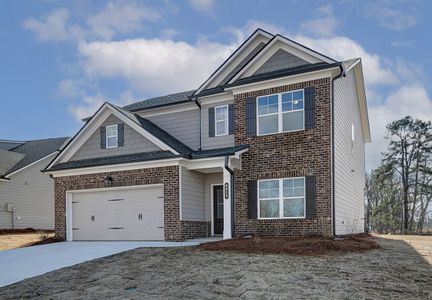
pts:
[174, 229]
[299, 153]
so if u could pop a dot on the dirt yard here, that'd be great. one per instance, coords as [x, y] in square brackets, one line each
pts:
[396, 271]
[18, 240]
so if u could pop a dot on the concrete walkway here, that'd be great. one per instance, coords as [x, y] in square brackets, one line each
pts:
[18, 264]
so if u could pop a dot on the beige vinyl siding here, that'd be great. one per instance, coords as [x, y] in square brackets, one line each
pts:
[192, 195]
[349, 165]
[32, 193]
[134, 142]
[216, 141]
[184, 126]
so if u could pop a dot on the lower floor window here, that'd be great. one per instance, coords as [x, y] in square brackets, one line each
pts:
[281, 198]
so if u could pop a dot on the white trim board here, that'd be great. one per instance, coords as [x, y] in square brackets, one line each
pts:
[190, 164]
[287, 80]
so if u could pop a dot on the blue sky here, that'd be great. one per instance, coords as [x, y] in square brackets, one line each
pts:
[59, 60]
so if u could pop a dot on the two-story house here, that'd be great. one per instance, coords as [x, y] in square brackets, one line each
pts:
[272, 143]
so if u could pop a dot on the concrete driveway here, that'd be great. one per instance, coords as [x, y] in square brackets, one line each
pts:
[19, 264]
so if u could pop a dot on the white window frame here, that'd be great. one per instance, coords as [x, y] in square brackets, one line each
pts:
[281, 199]
[220, 121]
[279, 113]
[111, 136]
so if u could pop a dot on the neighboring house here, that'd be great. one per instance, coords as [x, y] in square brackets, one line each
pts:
[272, 143]
[27, 194]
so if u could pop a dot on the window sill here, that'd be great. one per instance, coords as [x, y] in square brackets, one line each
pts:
[284, 218]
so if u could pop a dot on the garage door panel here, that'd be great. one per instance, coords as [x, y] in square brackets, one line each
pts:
[126, 214]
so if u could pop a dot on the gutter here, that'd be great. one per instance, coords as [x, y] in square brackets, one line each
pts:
[200, 117]
[232, 194]
[341, 74]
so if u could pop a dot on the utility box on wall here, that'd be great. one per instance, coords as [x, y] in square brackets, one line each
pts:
[10, 207]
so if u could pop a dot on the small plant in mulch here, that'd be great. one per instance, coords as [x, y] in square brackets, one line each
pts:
[309, 246]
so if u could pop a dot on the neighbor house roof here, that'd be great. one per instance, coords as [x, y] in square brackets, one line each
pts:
[8, 145]
[27, 153]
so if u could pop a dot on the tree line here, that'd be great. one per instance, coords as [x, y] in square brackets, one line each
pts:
[398, 193]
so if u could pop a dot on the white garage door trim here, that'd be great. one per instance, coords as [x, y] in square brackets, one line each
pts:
[70, 193]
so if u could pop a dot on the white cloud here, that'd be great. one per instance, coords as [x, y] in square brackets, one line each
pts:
[202, 5]
[407, 100]
[120, 17]
[153, 65]
[117, 17]
[50, 28]
[388, 16]
[324, 23]
[87, 107]
[341, 48]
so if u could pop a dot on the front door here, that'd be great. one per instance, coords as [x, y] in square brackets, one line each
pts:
[218, 210]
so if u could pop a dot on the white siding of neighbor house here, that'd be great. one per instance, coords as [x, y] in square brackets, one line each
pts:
[215, 142]
[184, 126]
[211, 178]
[134, 142]
[32, 193]
[349, 165]
[192, 195]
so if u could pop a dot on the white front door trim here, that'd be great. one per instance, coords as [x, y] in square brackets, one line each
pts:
[212, 205]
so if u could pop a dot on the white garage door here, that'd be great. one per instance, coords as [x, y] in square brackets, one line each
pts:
[118, 214]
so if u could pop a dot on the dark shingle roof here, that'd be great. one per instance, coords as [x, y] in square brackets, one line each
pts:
[176, 98]
[35, 150]
[143, 156]
[284, 72]
[8, 159]
[217, 152]
[8, 145]
[113, 160]
[271, 75]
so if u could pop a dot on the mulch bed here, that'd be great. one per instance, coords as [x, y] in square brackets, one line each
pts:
[308, 246]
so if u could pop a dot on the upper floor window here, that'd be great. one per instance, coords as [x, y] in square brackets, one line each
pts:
[282, 198]
[221, 120]
[280, 112]
[112, 136]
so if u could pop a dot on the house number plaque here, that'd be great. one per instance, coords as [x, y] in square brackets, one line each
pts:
[226, 190]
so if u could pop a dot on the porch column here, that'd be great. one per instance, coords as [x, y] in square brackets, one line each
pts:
[227, 234]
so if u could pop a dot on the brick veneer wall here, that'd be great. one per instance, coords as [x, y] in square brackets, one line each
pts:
[174, 229]
[300, 153]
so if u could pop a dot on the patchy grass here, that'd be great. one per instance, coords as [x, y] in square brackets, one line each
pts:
[11, 239]
[309, 246]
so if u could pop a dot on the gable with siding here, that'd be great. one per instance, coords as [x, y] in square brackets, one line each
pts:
[281, 60]
[134, 142]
